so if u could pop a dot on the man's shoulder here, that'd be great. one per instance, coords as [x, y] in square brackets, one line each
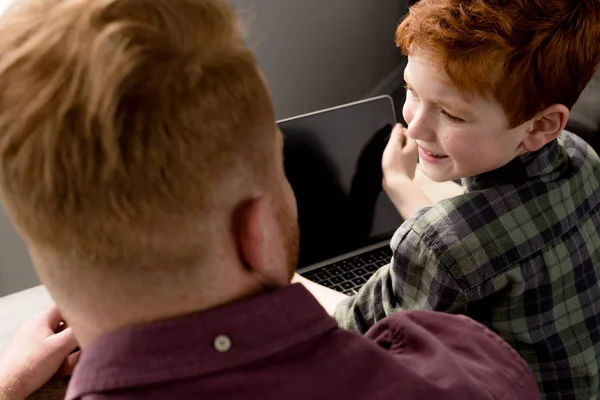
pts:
[403, 349]
[435, 341]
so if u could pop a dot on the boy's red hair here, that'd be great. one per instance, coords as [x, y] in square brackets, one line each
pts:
[528, 54]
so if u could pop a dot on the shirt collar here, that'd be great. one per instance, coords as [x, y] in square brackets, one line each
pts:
[545, 164]
[164, 351]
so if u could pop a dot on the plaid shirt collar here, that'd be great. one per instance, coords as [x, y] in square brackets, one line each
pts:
[543, 164]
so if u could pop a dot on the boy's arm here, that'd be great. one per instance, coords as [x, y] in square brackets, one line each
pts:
[328, 298]
[436, 191]
[407, 197]
[414, 280]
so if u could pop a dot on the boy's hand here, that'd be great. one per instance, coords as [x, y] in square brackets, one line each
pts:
[400, 158]
[399, 163]
[36, 354]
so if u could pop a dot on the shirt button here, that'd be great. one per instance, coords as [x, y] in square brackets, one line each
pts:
[222, 343]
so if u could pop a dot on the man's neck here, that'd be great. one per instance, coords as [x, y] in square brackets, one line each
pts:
[91, 317]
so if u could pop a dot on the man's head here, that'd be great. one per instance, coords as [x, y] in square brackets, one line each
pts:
[489, 80]
[139, 157]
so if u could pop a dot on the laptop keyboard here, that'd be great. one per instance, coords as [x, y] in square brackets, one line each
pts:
[348, 276]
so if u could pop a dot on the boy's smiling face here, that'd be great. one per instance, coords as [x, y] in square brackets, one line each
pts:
[458, 137]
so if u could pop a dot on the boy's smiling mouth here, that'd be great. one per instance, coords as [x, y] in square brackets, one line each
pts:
[430, 155]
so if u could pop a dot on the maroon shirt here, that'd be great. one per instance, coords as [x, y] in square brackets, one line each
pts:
[283, 345]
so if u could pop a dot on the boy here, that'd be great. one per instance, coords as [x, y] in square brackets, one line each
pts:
[489, 88]
[141, 162]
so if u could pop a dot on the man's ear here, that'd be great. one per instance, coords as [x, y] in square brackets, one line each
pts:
[547, 126]
[251, 235]
[259, 248]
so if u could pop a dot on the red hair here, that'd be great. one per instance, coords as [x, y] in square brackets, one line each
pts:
[123, 121]
[528, 54]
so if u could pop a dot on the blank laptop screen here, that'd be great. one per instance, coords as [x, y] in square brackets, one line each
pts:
[333, 162]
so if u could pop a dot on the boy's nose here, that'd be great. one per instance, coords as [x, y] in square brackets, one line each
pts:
[419, 129]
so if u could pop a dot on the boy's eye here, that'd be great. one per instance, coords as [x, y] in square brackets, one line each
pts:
[409, 89]
[452, 117]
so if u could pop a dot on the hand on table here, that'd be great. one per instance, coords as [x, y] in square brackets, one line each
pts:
[40, 350]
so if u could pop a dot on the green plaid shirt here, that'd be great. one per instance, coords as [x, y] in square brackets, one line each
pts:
[519, 252]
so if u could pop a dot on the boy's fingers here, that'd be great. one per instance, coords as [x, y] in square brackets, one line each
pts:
[410, 147]
[398, 138]
[52, 316]
[68, 366]
[64, 341]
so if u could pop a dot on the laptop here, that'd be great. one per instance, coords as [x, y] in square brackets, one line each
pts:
[333, 161]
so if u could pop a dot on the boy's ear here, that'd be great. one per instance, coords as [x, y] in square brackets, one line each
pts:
[547, 126]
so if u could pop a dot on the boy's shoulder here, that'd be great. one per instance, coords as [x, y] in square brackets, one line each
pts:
[443, 228]
[580, 153]
[499, 226]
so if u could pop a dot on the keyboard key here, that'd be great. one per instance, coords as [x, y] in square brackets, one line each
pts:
[372, 268]
[350, 292]
[337, 279]
[348, 275]
[323, 275]
[326, 283]
[309, 275]
[370, 259]
[335, 271]
[360, 271]
[346, 267]
[382, 263]
[347, 285]
[359, 281]
[357, 262]
[338, 288]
